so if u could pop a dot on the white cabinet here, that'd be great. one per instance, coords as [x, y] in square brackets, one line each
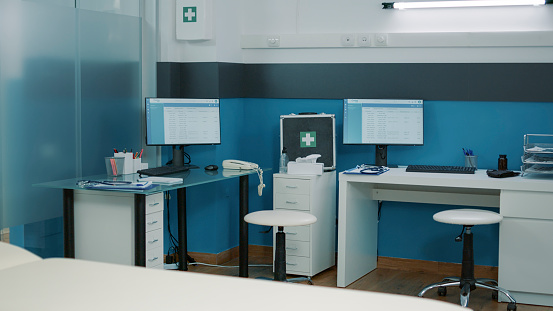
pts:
[526, 247]
[309, 249]
[105, 227]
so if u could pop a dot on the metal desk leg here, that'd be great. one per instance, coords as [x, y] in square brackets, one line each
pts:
[243, 246]
[183, 246]
[68, 224]
[140, 230]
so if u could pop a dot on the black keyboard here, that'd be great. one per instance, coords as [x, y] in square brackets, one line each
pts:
[165, 170]
[440, 169]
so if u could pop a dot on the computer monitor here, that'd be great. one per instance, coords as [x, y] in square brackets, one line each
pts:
[383, 122]
[179, 122]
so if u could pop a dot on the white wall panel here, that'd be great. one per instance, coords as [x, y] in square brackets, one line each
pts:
[327, 20]
[269, 16]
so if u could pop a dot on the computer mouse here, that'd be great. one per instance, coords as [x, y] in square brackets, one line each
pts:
[211, 167]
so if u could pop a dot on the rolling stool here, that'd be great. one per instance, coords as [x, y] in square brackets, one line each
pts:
[281, 219]
[468, 218]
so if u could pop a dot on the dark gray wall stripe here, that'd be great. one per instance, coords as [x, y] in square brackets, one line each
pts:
[192, 80]
[457, 82]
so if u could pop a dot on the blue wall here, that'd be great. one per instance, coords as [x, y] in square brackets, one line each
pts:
[250, 131]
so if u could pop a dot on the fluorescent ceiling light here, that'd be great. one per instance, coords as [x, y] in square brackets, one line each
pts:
[461, 3]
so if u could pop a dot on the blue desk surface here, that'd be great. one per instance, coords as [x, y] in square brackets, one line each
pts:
[190, 178]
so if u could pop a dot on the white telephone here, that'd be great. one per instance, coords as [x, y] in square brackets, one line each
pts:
[239, 165]
[243, 165]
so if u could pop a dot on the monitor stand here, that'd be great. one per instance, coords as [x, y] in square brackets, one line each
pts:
[381, 156]
[178, 156]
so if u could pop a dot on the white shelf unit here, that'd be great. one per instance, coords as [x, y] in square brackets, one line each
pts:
[309, 249]
[104, 227]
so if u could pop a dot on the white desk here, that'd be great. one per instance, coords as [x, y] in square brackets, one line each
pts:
[525, 243]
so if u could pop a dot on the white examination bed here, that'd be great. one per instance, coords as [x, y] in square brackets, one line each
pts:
[30, 283]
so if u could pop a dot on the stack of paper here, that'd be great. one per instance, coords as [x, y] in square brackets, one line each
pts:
[107, 185]
[162, 180]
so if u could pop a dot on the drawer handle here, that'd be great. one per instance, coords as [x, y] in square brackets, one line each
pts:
[154, 204]
[291, 233]
[152, 223]
[153, 259]
[291, 264]
[291, 187]
[152, 242]
[291, 202]
[292, 248]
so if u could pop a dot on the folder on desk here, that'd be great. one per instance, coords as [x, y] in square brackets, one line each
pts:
[119, 186]
[368, 170]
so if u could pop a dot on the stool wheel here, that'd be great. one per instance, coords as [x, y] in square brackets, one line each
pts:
[511, 306]
[442, 291]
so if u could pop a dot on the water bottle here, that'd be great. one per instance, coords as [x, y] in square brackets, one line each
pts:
[283, 164]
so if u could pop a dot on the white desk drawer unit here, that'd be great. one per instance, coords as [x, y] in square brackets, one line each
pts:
[154, 230]
[104, 230]
[309, 249]
[154, 221]
[154, 203]
[292, 201]
[300, 233]
[292, 185]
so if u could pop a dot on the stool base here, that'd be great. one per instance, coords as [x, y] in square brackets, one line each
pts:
[466, 287]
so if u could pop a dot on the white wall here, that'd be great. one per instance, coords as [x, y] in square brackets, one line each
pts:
[311, 31]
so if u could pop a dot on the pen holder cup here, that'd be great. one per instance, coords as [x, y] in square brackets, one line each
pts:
[471, 161]
[115, 166]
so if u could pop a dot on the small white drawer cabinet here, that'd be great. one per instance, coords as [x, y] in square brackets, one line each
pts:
[104, 227]
[309, 249]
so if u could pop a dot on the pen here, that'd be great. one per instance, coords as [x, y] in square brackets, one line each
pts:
[115, 150]
[468, 152]
[140, 156]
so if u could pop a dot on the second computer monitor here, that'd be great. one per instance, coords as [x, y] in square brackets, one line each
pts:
[383, 122]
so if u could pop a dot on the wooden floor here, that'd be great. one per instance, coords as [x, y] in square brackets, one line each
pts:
[379, 280]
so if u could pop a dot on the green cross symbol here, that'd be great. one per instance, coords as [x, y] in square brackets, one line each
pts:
[308, 139]
[189, 14]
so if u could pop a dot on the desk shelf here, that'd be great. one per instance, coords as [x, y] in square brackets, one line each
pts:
[538, 154]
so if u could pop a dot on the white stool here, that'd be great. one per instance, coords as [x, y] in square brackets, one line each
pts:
[468, 218]
[281, 219]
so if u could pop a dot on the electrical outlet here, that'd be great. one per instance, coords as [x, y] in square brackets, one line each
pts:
[364, 39]
[348, 39]
[381, 39]
[273, 41]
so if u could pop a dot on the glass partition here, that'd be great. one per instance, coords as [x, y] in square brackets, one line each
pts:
[70, 92]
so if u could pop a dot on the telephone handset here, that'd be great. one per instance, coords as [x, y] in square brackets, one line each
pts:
[239, 165]
[243, 165]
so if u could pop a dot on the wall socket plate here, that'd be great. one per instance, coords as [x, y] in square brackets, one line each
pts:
[273, 40]
[381, 39]
[364, 39]
[348, 39]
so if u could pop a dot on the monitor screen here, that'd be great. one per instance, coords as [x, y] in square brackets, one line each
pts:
[182, 121]
[383, 121]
